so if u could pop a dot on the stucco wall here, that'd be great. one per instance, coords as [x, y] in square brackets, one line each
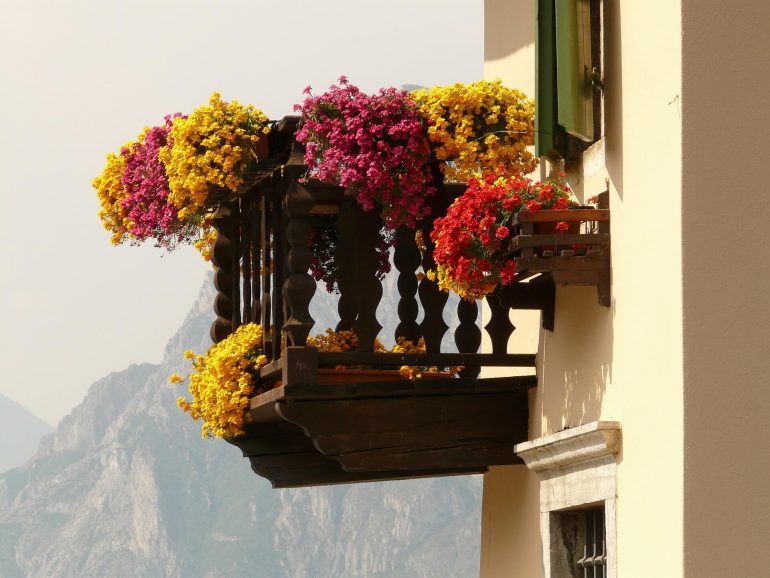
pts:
[623, 363]
[726, 90]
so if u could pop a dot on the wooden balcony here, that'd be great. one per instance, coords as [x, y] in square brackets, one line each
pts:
[316, 426]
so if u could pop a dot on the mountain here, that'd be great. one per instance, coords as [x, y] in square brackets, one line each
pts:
[20, 432]
[126, 487]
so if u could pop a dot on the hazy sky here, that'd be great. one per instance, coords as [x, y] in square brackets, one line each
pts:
[79, 78]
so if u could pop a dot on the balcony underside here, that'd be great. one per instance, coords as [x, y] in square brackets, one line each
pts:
[315, 434]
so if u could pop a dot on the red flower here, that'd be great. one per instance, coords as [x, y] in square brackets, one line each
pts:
[561, 227]
[502, 232]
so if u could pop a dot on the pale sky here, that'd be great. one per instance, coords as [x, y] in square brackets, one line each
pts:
[81, 77]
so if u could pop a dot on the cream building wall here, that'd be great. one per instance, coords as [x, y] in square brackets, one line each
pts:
[726, 275]
[624, 363]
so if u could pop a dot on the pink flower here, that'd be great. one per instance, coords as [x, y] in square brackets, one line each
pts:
[373, 145]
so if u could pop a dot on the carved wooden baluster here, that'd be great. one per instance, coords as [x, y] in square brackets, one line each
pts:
[299, 287]
[246, 217]
[367, 288]
[236, 265]
[407, 259]
[468, 334]
[265, 272]
[222, 258]
[499, 326]
[343, 258]
[432, 298]
[293, 287]
[279, 267]
[256, 257]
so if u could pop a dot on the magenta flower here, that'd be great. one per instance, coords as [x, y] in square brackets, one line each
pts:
[146, 184]
[373, 145]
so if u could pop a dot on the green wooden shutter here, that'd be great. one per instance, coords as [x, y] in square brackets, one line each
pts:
[546, 125]
[573, 68]
[545, 80]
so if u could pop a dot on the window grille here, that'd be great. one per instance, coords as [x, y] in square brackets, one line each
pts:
[594, 559]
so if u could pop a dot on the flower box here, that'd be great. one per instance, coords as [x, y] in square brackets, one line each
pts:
[572, 258]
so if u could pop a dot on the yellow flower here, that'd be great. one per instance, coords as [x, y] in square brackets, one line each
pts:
[480, 127]
[223, 380]
[211, 148]
[175, 378]
[111, 193]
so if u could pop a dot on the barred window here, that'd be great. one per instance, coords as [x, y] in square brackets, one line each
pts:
[578, 544]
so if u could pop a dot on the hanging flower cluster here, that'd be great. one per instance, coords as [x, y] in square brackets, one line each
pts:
[156, 186]
[472, 238]
[222, 381]
[373, 145]
[211, 148]
[323, 265]
[147, 192]
[479, 127]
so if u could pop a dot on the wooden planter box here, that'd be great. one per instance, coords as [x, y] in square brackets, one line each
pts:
[574, 258]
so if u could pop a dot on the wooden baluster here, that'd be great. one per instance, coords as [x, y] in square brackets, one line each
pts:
[343, 258]
[279, 268]
[296, 291]
[265, 272]
[222, 258]
[499, 326]
[367, 288]
[246, 217]
[236, 264]
[468, 334]
[407, 259]
[256, 257]
[432, 298]
[299, 287]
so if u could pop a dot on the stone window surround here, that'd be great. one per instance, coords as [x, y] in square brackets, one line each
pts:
[577, 468]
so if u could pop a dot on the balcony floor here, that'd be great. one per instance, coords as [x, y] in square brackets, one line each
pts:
[314, 434]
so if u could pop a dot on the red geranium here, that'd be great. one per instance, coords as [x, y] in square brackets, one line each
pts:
[472, 239]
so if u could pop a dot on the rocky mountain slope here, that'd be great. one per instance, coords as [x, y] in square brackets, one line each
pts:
[127, 488]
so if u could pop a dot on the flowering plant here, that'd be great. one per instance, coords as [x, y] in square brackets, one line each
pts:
[479, 127]
[346, 340]
[373, 145]
[222, 381]
[471, 239]
[323, 266]
[134, 196]
[211, 148]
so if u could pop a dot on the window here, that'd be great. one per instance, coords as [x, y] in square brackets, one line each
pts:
[578, 495]
[578, 544]
[569, 86]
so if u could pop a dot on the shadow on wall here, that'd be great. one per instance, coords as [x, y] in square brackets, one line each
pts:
[574, 364]
[511, 30]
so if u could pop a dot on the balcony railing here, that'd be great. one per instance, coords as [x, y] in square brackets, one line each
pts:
[318, 427]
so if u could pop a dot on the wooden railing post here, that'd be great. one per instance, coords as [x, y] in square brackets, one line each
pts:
[432, 298]
[223, 259]
[299, 286]
[407, 259]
